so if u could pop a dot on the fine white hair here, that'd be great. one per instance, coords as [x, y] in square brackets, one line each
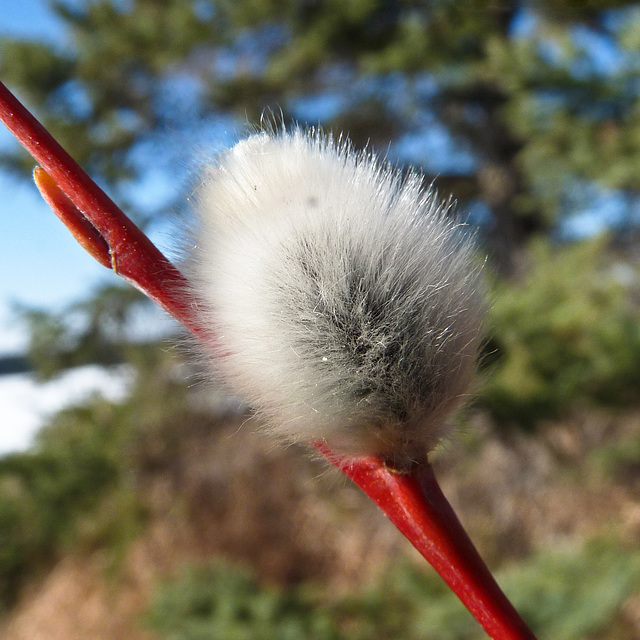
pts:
[343, 297]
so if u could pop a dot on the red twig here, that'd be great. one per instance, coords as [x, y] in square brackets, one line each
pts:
[413, 502]
[418, 508]
[131, 254]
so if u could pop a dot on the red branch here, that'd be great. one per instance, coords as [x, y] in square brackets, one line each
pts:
[413, 502]
[131, 254]
[420, 511]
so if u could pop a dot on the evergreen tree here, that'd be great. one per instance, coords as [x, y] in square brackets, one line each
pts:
[512, 105]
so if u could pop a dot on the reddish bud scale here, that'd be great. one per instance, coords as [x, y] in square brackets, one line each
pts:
[81, 229]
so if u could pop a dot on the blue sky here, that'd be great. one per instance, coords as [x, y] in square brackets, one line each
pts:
[31, 18]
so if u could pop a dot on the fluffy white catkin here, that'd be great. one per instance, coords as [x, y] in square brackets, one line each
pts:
[343, 298]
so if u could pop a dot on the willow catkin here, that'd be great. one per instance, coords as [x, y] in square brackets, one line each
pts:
[343, 297]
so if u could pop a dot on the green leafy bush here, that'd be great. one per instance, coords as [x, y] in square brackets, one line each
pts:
[219, 603]
[78, 488]
[568, 593]
[91, 331]
[63, 480]
[566, 334]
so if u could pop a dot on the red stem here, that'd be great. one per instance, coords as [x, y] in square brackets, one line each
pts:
[413, 502]
[420, 511]
[132, 254]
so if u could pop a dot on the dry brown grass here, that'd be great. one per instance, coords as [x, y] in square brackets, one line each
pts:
[221, 490]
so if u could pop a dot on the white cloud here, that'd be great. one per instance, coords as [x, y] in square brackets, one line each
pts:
[25, 404]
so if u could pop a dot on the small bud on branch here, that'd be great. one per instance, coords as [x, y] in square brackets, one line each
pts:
[343, 295]
[412, 499]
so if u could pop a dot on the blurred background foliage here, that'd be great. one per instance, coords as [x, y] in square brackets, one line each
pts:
[566, 333]
[529, 114]
[553, 590]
